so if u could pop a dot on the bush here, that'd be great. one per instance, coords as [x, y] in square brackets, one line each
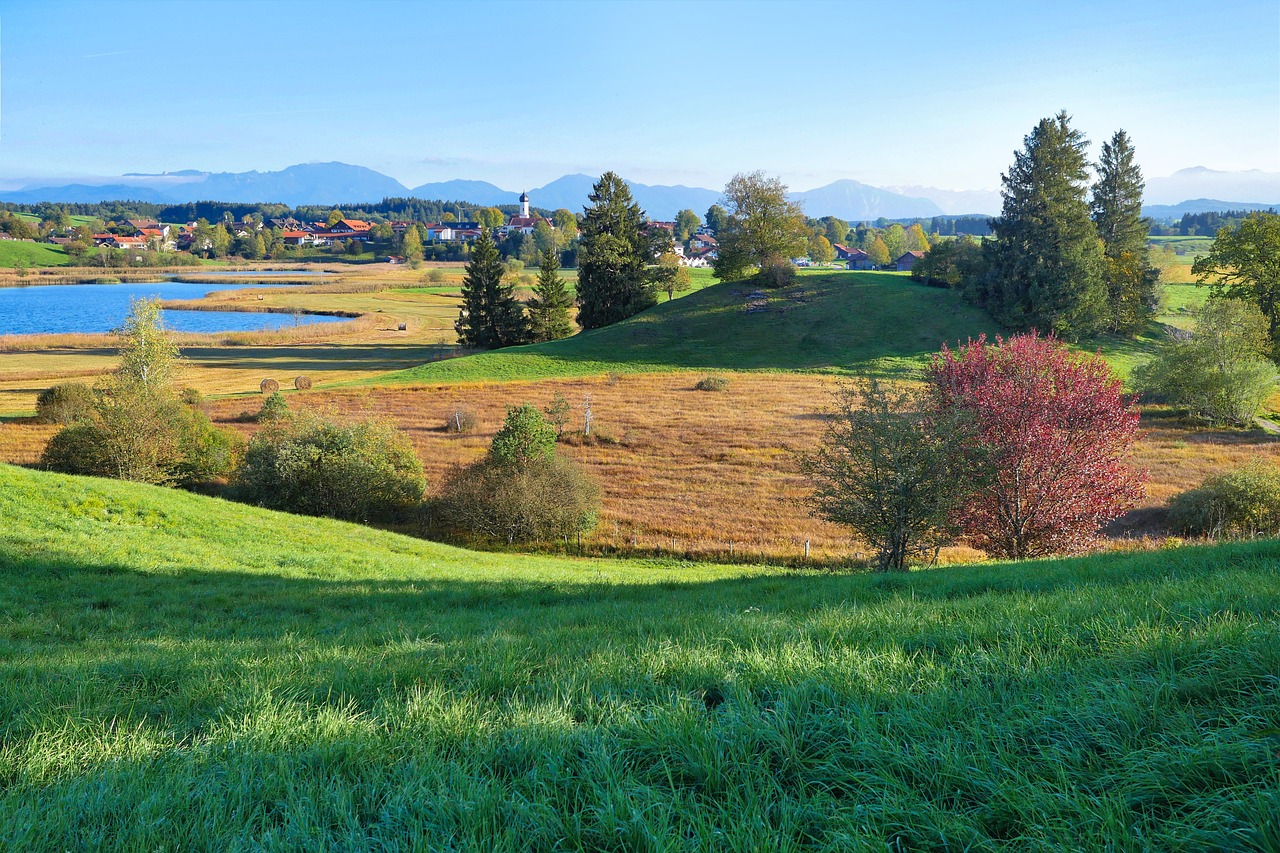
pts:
[542, 501]
[191, 397]
[1245, 502]
[274, 408]
[67, 403]
[207, 453]
[461, 421]
[522, 491]
[436, 276]
[77, 450]
[776, 273]
[712, 383]
[359, 472]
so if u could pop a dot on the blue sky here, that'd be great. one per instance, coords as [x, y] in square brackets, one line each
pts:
[519, 93]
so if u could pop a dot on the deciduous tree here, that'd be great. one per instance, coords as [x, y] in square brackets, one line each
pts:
[820, 250]
[763, 226]
[1057, 434]
[1244, 263]
[878, 253]
[687, 223]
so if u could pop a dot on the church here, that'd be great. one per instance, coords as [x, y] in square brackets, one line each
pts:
[524, 223]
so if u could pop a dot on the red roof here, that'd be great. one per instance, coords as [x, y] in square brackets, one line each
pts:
[295, 234]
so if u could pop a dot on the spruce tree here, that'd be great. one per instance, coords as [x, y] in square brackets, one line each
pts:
[613, 283]
[1046, 267]
[1117, 213]
[549, 307]
[491, 316]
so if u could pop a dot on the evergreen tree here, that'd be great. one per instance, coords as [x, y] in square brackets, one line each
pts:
[491, 315]
[1117, 212]
[613, 283]
[1046, 268]
[549, 307]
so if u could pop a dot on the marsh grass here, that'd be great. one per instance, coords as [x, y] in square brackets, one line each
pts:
[181, 673]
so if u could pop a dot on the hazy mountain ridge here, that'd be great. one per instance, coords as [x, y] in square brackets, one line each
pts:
[348, 185]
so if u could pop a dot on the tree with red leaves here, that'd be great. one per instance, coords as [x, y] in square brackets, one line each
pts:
[1058, 435]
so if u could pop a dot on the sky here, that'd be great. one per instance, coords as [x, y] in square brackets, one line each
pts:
[519, 93]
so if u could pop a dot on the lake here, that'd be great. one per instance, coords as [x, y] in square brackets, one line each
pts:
[80, 308]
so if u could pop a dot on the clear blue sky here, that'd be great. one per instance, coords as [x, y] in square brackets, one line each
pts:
[931, 93]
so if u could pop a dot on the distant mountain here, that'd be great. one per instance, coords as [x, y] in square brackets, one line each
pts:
[309, 183]
[1253, 186]
[955, 202]
[476, 192]
[858, 202]
[1201, 205]
[88, 193]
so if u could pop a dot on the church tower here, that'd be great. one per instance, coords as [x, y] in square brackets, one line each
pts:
[524, 205]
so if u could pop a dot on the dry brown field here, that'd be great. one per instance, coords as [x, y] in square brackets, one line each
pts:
[689, 472]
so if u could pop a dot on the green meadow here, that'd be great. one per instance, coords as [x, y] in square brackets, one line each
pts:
[17, 253]
[178, 672]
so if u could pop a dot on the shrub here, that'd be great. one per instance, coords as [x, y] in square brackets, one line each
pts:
[461, 420]
[76, 449]
[269, 386]
[522, 491]
[712, 383]
[436, 276]
[191, 397]
[207, 453]
[541, 501]
[274, 408]
[66, 403]
[363, 471]
[776, 273]
[1245, 502]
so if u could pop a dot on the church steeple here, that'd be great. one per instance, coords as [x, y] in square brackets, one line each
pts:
[524, 204]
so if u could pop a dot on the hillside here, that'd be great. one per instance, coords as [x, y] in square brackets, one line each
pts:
[831, 321]
[179, 672]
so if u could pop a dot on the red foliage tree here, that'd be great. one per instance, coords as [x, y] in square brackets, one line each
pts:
[1057, 434]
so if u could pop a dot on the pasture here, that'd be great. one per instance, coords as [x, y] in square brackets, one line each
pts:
[18, 253]
[179, 672]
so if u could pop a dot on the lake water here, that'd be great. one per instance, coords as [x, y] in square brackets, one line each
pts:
[77, 308]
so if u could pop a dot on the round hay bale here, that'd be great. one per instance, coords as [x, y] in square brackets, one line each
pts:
[302, 383]
[269, 386]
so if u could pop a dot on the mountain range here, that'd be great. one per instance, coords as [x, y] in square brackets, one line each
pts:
[344, 184]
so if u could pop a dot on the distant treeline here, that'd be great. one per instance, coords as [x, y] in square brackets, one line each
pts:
[416, 209]
[945, 226]
[1201, 224]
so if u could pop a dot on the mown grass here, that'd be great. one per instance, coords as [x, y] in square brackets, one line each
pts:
[181, 673]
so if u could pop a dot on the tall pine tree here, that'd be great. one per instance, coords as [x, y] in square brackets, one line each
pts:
[549, 307]
[491, 315]
[1117, 213]
[1046, 268]
[614, 248]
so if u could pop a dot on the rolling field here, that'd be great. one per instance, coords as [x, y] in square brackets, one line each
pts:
[15, 253]
[184, 673]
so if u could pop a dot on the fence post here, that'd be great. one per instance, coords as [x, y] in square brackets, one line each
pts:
[806, 549]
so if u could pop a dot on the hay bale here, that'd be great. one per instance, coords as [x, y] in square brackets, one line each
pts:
[302, 383]
[269, 386]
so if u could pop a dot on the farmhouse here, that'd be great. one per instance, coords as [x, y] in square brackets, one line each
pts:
[704, 241]
[858, 260]
[907, 261]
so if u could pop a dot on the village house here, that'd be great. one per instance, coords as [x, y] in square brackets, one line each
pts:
[116, 241]
[907, 261]
[704, 241]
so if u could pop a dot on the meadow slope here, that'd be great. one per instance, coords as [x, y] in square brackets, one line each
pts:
[179, 672]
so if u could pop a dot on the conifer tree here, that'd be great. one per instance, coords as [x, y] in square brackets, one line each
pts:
[491, 316]
[613, 283]
[549, 307]
[1117, 213]
[1046, 267]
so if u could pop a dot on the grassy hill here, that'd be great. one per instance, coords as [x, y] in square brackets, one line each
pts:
[14, 253]
[837, 321]
[178, 672]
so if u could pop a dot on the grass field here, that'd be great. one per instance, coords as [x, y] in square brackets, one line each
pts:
[15, 253]
[183, 673]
